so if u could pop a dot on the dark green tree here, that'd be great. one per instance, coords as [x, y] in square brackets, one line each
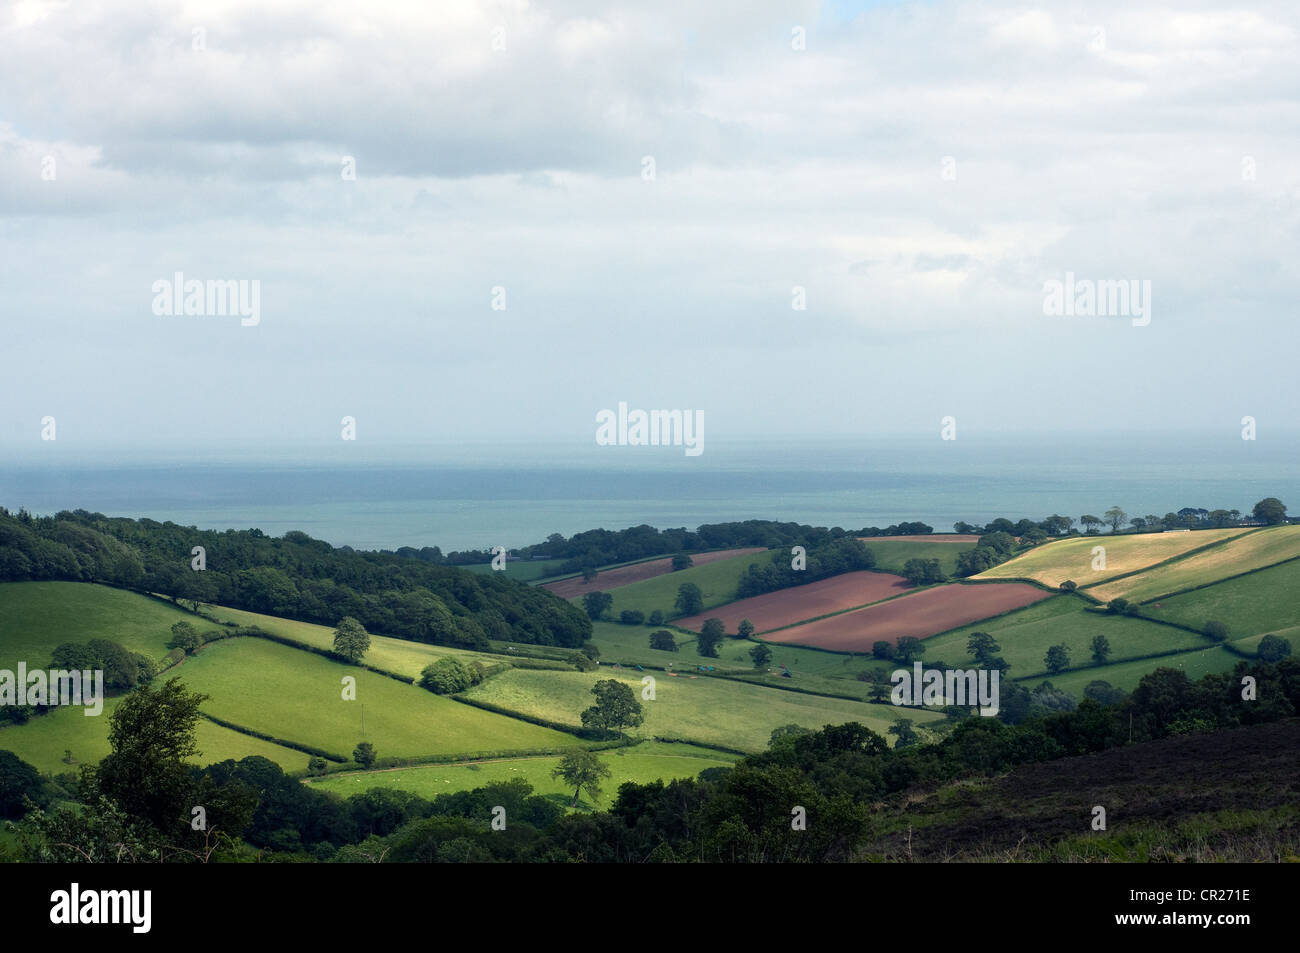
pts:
[583, 770]
[711, 635]
[616, 707]
[1270, 510]
[909, 647]
[1057, 659]
[597, 603]
[185, 637]
[364, 754]
[1273, 648]
[902, 730]
[1100, 649]
[663, 641]
[761, 655]
[690, 599]
[982, 647]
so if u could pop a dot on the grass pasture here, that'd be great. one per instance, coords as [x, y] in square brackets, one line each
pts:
[1257, 604]
[1126, 675]
[703, 710]
[615, 577]
[37, 616]
[297, 696]
[1026, 635]
[1241, 554]
[399, 656]
[525, 570]
[642, 764]
[717, 581]
[892, 552]
[42, 741]
[1053, 563]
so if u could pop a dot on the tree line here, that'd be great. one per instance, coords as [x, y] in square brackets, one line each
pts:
[138, 803]
[293, 576]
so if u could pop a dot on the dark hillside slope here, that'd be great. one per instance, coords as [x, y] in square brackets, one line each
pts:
[1230, 795]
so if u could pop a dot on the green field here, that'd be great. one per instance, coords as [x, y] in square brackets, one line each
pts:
[827, 672]
[42, 741]
[296, 695]
[642, 764]
[717, 581]
[525, 570]
[1255, 550]
[1126, 675]
[705, 710]
[1257, 604]
[1026, 635]
[391, 655]
[891, 554]
[37, 616]
[1055, 562]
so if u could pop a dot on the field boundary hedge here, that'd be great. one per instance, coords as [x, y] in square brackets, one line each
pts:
[1120, 661]
[1207, 585]
[531, 719]
[1178, 558]
[283, 743]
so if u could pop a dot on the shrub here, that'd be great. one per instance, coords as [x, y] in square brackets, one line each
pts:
[449, 675]
[1216, 630]
[631, 617]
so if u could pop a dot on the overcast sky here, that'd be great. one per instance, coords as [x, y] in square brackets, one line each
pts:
[505, 144]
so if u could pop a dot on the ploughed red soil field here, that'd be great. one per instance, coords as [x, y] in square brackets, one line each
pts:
[772, 610]
[609, 579]
[932, 538]
[924, 613]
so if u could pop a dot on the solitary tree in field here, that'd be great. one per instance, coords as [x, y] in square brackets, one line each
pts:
[583, 770]
[745, 629]
[1100, 649]
[1115, 517]
[597, 603]
[711, 636]
[351, 640]
[1270, 510]
[663, 641]
[982, 646]
[1057, 659]
[185, 637]
[761, 655]
[690, 599]
[616, 707]
[682, 561]
[364, 754]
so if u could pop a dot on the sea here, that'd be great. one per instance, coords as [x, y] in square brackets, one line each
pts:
[476, 496]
